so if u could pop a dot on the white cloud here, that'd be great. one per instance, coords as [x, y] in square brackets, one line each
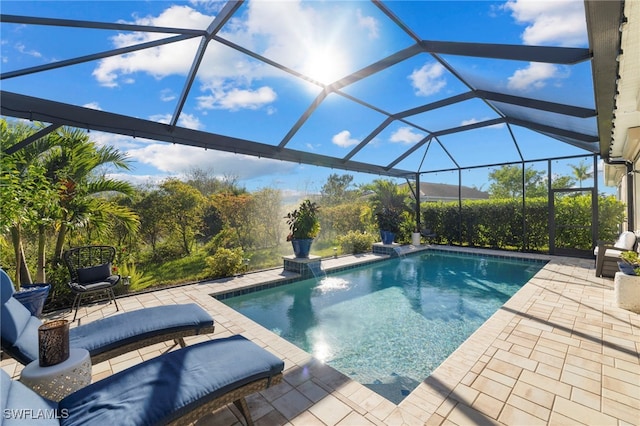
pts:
[406, 135]
[93, 105]
[344, 139]
[475, 120]
[370, 23]
[188, 121]
[555, 22]
[235, 99]
[428, 80]
[294, 33]
[23, 49]
[177, 159]
[167, 95]
[535, 76]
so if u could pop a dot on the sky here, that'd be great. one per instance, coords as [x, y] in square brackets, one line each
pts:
[236, 95]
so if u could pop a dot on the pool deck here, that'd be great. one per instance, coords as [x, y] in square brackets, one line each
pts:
[558, 352]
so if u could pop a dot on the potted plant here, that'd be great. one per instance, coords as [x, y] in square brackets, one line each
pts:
[388, 219]
[629, 262]
[304, 226]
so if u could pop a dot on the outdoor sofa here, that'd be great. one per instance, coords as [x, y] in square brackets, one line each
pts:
[178, 387]
[105, 338]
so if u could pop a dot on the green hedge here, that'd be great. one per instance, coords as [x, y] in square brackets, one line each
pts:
[500, 224]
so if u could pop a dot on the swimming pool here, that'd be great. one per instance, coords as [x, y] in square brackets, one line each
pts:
[389, 324]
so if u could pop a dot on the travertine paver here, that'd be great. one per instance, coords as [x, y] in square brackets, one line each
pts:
[558, 352]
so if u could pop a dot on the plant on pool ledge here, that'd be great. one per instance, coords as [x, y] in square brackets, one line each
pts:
[388, 219]
[304, 226]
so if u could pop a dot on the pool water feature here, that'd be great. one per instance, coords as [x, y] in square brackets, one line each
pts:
[389, 324]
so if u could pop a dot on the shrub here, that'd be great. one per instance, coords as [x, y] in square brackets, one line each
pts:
[225, 262]
[137, 279]
[356, 242]
[168, 251]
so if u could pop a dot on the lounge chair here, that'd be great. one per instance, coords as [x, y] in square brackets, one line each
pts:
[608, 255]
[178, 387]
[105, 338]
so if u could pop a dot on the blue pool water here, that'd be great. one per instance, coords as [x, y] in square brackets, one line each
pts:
[388, 325]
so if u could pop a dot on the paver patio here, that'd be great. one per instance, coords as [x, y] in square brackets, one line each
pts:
[558, 352]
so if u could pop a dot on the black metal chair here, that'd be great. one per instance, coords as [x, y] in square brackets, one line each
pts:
[428, 234]
[90, 270]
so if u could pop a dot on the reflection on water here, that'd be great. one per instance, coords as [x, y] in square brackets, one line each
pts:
[389, 325]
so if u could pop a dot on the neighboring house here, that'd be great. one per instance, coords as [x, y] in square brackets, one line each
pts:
[445, 192]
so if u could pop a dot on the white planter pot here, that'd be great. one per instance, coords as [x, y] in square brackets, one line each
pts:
[627, 292]
[415, 238]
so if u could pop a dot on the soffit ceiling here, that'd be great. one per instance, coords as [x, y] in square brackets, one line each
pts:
[477, 112]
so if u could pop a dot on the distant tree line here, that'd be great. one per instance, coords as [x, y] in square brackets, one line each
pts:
[57, 193]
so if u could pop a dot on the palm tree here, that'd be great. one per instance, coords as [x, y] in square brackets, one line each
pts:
[75, 166]
[581, 171]
[28, 199]
[54, 183]
[388, 201]
[387, 194]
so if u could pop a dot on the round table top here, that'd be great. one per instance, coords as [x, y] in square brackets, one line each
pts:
[77, 356]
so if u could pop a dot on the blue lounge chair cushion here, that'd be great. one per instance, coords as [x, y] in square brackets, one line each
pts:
[20, 405]
[166, 387]
[19, 329]
[111, 332]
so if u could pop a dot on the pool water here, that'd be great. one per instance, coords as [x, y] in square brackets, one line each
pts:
[388, 325]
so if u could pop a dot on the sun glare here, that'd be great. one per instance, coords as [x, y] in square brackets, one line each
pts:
[325, 65]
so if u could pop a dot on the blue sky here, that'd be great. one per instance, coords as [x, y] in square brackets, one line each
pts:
[236, 95]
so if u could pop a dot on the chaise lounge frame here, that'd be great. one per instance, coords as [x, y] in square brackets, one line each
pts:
[20, 340]
[236, 396]
[167, 389]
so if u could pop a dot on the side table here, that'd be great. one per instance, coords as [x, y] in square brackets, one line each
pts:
[57, 381]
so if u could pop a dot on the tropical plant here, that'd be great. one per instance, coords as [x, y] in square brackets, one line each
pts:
[28, 200]
[303, 222]
[53, 185]
[74, 165]
[631, 257]
[389, 201]
[388, 219]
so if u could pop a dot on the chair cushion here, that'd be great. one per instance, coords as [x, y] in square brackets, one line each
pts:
[6, 286]
[626, 241]
[18, 328]
[111, 332]
[22, 406]
[95, 286]
[171, 385]
[94, 273]
[613, 253]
